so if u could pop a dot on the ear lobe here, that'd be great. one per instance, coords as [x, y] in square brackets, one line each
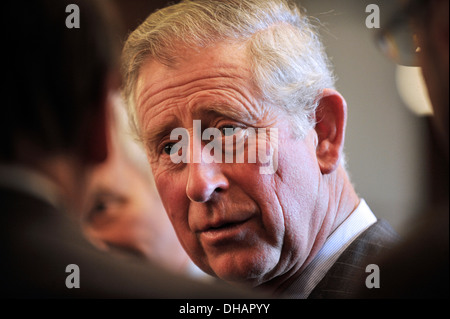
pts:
[331, 119]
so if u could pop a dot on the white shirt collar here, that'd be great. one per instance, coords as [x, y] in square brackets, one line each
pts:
[358, 221]
[31, 182]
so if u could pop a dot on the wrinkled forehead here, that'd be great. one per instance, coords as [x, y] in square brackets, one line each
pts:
[220, 60]
[223, 66]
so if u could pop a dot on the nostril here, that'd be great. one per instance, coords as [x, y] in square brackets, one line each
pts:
[205, 181]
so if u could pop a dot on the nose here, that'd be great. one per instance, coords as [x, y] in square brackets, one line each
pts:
[205, 181]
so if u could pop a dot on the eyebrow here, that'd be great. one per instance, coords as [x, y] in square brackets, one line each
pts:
[223, 109]
[158, 131]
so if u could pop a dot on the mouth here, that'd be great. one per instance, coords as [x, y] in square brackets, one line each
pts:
[224, 232]
[225, 226]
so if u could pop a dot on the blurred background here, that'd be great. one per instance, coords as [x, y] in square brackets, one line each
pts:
[390, 154]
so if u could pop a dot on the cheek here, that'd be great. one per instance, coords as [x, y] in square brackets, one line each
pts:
[172, 194]
[261, 189]
[297, 190]
[176, 204]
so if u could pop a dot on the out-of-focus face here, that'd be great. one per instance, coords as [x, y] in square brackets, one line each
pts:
[126, 214]
[232, 220]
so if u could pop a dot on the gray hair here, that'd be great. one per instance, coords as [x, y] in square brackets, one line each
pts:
[288, 62]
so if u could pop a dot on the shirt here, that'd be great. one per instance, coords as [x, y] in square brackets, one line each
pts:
[355, 224]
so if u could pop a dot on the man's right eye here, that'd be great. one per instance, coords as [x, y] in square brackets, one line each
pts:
[229, 130]
[169, 148]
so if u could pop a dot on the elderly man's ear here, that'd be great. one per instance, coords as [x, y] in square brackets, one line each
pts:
[331, 119]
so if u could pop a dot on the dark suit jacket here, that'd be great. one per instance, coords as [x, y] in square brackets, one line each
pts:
[418, 268]
[344, 278]
[37, 242]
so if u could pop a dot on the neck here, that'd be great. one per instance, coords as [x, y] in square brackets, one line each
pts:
[344, 200]
[341, 202]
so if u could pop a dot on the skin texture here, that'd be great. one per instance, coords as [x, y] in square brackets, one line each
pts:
[234, 222]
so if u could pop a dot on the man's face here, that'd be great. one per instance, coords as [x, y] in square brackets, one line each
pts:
[232, 220]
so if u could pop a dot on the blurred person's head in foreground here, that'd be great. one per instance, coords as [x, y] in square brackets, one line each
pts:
[418, 35]
[56, 104]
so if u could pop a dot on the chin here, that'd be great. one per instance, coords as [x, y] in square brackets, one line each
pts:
[248, 272]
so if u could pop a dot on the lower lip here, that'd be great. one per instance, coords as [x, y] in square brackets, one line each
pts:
[231, 233]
